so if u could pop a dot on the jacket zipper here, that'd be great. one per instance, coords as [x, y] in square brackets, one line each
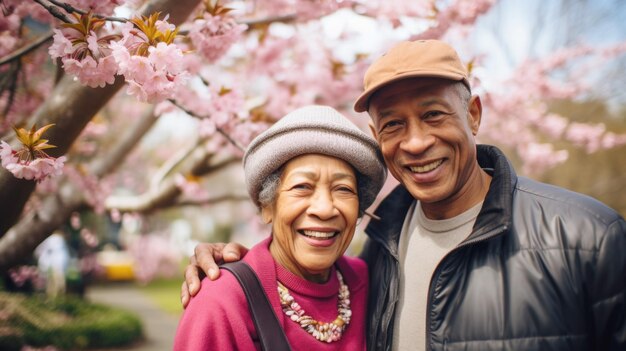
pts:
[494, 233]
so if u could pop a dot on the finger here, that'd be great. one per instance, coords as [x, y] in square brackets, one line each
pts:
[208, 256]
[234, 252]
[184, 294]
[192, 280]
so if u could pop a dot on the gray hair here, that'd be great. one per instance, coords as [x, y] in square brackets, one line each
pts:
[464, 93]
[270, 185]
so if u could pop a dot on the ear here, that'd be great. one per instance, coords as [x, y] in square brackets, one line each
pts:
[267, 214]
[474, 113]
[373, 129]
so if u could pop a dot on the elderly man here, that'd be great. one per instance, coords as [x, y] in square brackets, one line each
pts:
[465, 254]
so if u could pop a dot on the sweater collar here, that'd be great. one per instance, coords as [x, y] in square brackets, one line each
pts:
[304, 287]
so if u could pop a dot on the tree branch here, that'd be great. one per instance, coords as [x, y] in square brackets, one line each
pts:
[26, 49]
[214, 200]
[69, 9]
[125, 144]
[219, 129]
[172, 163]
[54, 11]
[168, 192]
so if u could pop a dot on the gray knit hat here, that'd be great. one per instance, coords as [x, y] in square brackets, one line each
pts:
[315, 130]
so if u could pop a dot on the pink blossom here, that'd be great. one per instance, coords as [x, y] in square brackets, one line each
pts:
[87, 57]
[116, 216]
[10, 23]
[586, 135]
[30, 9]
[61, 45]
[136, 90]
[393, 10]
[195, 100]
[96, 6]
[92, 73]
[8, 42]
[247, 130]
[190, 188]
[38, 169]
[309, 10]
[7, 155]
[611, 140]
[75, 221]
[138, 69]
[21, 274]
[538, 157]
[154, 78]
[166, 57]
[457, 13]
[154, 256]
[226, 105]
[93, 189]
[206, 128]
[214, 35]
[164, 26]
[121, 55]
[554, 125]
[89, 238]
[94, 46]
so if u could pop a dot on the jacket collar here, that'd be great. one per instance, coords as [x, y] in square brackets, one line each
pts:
[494, 216]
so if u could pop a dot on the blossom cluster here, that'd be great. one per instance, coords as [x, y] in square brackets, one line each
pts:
[213, 35]
[191, 187]
[457, 14]
[37, 169]
[142, 50]
[84, 56]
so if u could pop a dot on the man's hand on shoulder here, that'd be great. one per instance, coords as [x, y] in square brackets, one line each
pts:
[204, 262]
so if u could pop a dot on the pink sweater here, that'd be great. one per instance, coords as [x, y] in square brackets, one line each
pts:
[218, 317]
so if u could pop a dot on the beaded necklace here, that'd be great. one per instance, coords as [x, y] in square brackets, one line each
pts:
[322, 331]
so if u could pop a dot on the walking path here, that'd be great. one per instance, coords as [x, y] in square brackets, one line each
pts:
[159, 326]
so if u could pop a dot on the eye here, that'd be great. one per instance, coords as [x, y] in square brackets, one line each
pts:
[345, 189]
[301, 186]
[433, 114]
[390, 125]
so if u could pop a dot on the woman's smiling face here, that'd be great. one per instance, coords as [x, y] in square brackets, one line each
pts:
[314, 214]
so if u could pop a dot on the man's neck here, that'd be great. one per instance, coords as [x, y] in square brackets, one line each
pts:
[471, 193]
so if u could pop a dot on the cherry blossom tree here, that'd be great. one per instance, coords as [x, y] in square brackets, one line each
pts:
[84, 81]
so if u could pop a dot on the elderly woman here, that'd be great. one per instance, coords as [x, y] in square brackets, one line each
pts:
[312, 174]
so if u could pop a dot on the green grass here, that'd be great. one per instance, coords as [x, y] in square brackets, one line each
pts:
[165, 293]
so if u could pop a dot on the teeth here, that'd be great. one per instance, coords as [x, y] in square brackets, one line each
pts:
[320, 235]
[426, 168]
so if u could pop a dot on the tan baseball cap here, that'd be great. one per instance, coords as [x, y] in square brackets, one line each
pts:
[408, 59]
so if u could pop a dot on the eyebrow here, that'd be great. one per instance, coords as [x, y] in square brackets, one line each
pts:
[341, 175]
[335, 176]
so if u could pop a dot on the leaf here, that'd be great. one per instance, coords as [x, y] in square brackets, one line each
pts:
[217, 9]
[41, 130]
[223, 91]
[31, 139]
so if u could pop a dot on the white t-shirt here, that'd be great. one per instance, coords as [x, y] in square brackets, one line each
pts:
[423, 244]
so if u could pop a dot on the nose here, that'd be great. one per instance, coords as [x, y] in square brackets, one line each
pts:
[417, 139]
[322, 205]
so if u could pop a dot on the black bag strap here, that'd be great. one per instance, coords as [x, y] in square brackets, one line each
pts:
[271, 334]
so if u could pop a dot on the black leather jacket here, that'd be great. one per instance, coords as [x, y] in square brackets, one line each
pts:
[544, 269]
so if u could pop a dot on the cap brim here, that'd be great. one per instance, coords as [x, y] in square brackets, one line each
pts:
[362, 102]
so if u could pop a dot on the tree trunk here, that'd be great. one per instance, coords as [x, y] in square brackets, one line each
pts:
[33, 228]
[70, 107]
